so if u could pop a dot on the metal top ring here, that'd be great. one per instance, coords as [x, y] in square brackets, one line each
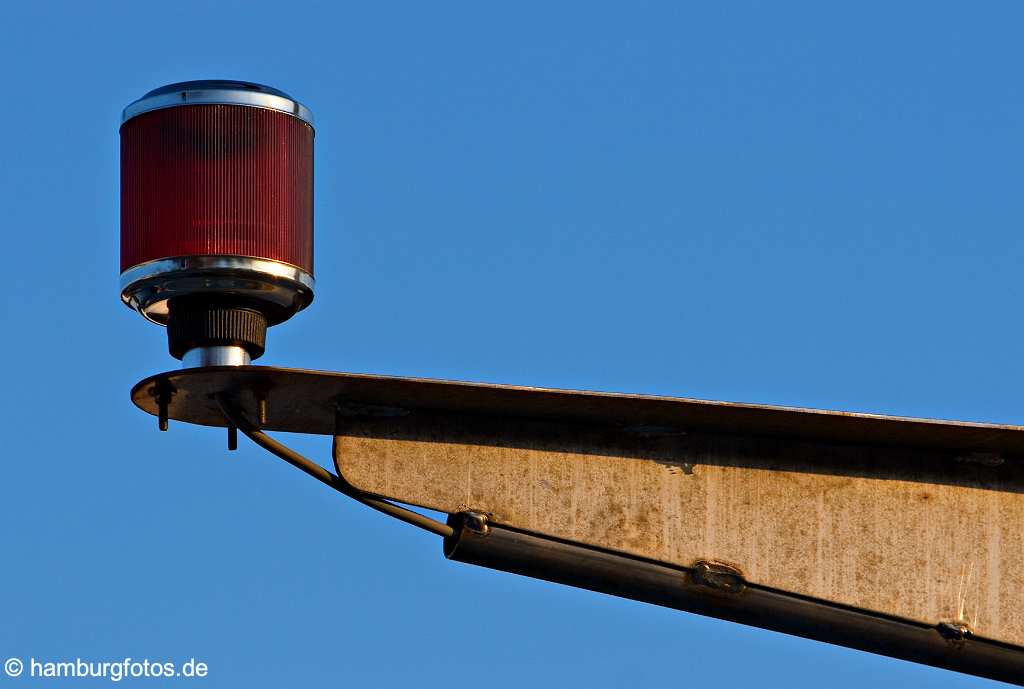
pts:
[218, 92]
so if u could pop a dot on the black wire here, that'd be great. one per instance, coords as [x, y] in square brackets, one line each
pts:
[337, 482]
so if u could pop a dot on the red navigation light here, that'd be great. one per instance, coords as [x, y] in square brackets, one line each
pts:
[216, 179]
[216, 215]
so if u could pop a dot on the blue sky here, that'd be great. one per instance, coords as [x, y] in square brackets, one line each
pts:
[788, 203]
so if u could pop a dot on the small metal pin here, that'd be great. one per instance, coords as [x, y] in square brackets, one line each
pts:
[162, 411]
[261, 409]
[232, 438]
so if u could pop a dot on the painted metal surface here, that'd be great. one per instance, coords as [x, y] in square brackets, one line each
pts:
[921, 534]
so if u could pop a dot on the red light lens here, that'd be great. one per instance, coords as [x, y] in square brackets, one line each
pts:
[216, 179]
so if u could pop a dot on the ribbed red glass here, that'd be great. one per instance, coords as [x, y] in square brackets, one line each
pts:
[216, 179]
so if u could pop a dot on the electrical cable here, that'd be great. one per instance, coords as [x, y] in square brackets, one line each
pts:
[237, 419]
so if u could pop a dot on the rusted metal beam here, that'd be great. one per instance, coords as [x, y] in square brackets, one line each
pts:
[711, 589]
[910, 522]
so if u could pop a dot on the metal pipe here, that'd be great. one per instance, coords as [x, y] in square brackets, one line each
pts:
[218, 355]
[717, 591]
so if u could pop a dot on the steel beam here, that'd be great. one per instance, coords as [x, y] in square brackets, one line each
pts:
[914, 524]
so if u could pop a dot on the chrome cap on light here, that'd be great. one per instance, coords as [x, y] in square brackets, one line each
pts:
[218, 92]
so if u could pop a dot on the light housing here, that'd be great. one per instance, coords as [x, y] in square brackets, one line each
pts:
[216, 214]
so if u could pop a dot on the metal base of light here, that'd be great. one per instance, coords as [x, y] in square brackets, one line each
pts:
[231, 355]
[283, 288]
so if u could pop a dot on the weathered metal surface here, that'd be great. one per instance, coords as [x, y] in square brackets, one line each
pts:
[913, 519]
[916, 533]
[719, 591]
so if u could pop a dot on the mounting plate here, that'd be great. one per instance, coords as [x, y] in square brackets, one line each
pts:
[303, 401]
